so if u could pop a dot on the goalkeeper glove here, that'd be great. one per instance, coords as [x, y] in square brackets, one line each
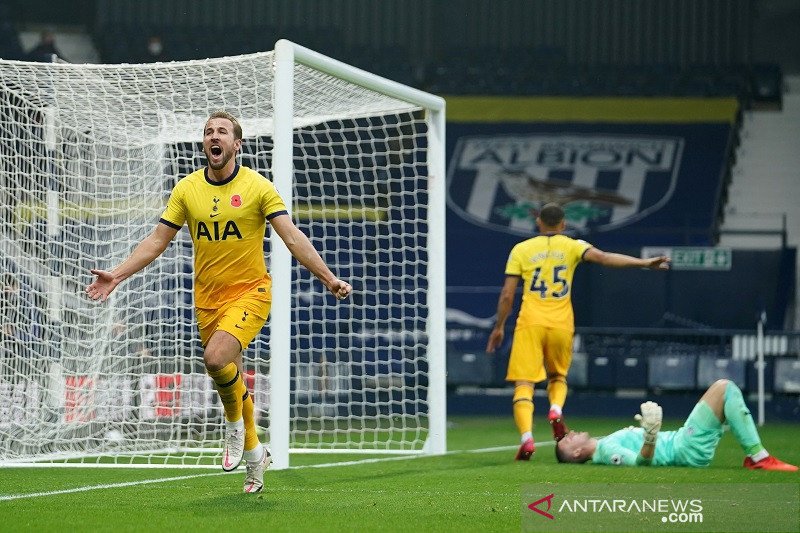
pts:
[650, 420]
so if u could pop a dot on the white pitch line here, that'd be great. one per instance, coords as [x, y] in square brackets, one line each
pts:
[9, 497]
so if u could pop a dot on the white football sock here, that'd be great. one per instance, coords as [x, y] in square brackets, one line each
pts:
[756, 457]
[254, 455]
[233, 426]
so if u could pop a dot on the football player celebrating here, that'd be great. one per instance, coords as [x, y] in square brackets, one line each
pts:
[693, 444]
[226, 207]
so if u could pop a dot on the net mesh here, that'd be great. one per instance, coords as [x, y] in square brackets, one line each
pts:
[88, 156]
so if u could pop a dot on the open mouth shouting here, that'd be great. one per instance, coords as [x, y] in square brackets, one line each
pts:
[216, 157]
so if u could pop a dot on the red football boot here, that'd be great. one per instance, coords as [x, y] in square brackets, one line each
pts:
[769, 463]
[525, 451]
[559, 426]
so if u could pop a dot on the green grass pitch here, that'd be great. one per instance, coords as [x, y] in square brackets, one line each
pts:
[465, 490]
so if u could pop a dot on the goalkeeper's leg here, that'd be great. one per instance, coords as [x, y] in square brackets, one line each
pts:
[726, 400]
[728, 404]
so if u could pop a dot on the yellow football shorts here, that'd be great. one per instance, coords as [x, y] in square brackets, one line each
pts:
[243, 318]
[537, 351]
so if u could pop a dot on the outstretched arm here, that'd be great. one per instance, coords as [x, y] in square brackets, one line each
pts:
[151, 247]
[504, 306]
[610, 259]
[302, 250]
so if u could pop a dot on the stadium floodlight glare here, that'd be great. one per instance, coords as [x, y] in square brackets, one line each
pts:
[88, 156]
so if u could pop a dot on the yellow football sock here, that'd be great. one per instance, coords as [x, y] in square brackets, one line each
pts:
[248, 408]
[227, 380]
[523, 408]
[557, 390]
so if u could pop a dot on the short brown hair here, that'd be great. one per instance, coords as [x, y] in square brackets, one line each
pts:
[551, 215]
[237, 128]
[559, 455]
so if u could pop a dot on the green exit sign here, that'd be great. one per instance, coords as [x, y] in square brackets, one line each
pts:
[694, 258]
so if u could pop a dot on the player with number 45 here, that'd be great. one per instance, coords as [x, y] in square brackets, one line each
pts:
[542, 345]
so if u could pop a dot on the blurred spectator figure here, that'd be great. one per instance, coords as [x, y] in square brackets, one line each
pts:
[9, 38]
[46, 49]
[155, 50]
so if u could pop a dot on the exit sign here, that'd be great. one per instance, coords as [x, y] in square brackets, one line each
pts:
[694, 258]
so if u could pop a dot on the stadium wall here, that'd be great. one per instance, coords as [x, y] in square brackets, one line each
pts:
[572, 31]
[639, 172]
[633, 173]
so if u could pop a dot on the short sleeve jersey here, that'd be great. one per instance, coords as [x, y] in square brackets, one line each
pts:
[546, 264]
[227, 223]
[622, 448]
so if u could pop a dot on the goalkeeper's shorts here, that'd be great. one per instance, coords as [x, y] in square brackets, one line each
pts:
[536, 349]
[243, 318]
[696, 442]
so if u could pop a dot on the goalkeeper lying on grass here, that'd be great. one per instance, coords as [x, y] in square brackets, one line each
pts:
[693, 444]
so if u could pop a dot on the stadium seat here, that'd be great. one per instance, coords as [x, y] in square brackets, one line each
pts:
[470, 367]
[602, 372]
[751, 371]
[787, 375]
[578, 371]
[711, 368]
[767, 83]
[672, 372]
[630, 372]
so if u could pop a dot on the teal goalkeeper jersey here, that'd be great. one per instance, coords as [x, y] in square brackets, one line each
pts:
[623, 446]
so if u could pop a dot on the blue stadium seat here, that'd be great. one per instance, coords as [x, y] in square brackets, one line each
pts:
[672, 372]
[470, 367]
[630, 372]
[578, 371]
[711, 368]
[751, 370]
[787, 375]
[767, 82]
[602, 372]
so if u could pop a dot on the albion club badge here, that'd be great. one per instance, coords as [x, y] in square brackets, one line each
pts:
[603, 181]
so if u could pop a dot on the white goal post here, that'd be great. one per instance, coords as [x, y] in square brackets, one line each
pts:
[88, 156]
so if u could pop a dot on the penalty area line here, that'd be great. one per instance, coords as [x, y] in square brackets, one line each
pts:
[9, 497]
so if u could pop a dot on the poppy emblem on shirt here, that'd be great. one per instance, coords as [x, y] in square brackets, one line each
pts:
[236, 200]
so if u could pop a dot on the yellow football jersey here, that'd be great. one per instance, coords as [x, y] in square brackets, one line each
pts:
[546, 264]
[227, 221]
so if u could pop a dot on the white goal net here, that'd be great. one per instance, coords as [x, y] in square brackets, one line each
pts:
[88, 156]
